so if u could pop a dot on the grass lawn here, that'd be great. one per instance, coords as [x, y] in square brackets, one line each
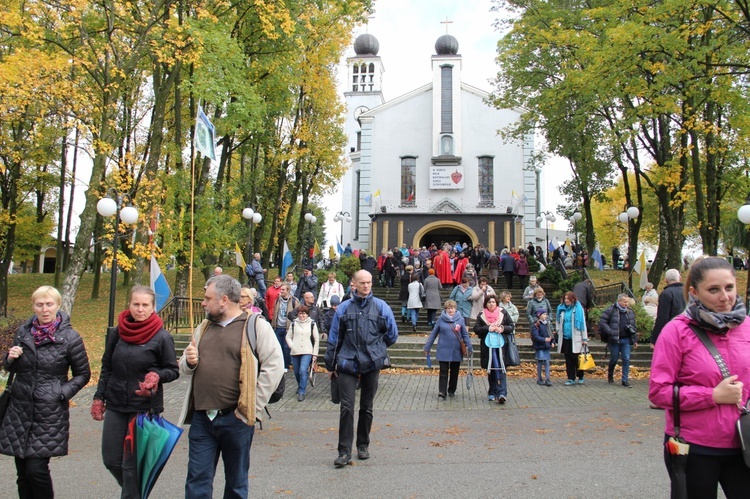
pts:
[89, 316]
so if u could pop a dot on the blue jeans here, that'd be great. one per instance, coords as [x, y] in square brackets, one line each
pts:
[414, 312]
[623, 347]
[281, 336]
[261, 285]
[301, 364]
[225, 435]
[498, 380]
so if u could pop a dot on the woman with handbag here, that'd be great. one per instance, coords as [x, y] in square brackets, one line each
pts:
[36, 422]
[453, 343]
[493, 326]
[303, 338]
[414, 302]
[707, 400]
[138, 359]
[572, 334]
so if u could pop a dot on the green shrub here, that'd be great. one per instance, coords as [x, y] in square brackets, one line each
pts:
[349, 265]
[322, 275]
[643, 322]
[533, 264]
[550, 276]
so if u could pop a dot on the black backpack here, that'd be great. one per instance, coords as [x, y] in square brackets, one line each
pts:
[252, 338]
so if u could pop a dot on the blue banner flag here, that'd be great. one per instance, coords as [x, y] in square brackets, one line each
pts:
[159, 285]
[286, 261]
[205, 135]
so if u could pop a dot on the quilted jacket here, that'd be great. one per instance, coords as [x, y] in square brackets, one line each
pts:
[37, 420]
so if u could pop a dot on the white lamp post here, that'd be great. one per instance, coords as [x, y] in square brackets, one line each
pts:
[253, 218]
[106, 207]
[311, 219]
[575, 218]
[340, 217]
[625, 218]
[547, 216]
[744, 215]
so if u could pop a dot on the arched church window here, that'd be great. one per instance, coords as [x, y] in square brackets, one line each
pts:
[486, 181]
[364, 68]
[372, 68]
[446, 145]
[408, 181]
[356, 69]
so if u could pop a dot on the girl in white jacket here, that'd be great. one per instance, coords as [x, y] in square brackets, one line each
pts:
[303, 339]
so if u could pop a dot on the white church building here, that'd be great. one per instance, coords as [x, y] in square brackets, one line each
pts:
[430, 166]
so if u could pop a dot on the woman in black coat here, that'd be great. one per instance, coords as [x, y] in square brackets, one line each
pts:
[138, 359]
[403, 293]
[36, 424]
[493, 319]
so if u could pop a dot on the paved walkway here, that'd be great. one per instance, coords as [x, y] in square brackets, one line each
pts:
[592, 440]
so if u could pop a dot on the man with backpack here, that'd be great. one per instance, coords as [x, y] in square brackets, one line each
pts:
[231, 383]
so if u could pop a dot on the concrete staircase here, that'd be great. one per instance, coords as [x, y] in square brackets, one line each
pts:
[408, 352]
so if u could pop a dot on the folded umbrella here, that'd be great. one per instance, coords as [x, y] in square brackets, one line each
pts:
[155, 439]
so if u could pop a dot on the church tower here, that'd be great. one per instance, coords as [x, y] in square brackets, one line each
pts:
[364, 92]
[446, 102]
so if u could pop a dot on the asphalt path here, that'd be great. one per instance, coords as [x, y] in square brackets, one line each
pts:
[588, 441]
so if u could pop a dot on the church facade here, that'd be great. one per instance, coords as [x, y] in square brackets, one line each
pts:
[430, 166]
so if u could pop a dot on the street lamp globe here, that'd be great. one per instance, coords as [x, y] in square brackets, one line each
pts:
[257, 218]
[744, 214]
[348, 219]
[552, 218]
[539, 219]
[633, 212]
[106, 207]
[623, 217]
[248, 213]
[577, 216]
[309, 217]
[129, 215]
[336, 218]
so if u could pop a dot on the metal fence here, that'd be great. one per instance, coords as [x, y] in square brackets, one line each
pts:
[176, 314]
[607, 295]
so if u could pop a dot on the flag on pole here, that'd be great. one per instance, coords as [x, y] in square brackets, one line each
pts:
[368, 198]
[410, 197]
[377, 193]
[286, 260]
[316, 249]
[159, 285]
[554, 244]
[238, 258]
[640, 269]
[205, 135]
[339, 249]
[597, 257]
[513, 194]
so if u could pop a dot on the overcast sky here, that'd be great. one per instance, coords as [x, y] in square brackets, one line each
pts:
[407, 31]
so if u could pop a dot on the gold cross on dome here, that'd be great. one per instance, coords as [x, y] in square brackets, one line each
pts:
[446, 22]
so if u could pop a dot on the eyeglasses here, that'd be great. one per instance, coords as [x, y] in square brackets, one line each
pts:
[245, 296]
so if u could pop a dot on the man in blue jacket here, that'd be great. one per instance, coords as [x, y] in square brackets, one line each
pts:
[361, 331]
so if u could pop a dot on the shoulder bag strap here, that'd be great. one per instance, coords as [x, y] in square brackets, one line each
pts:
[712, 350]
[11, 377]
[676, 410]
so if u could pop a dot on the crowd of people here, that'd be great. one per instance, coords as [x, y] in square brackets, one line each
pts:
[239, 353]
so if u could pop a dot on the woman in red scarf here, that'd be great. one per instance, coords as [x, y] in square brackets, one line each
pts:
[137, 360]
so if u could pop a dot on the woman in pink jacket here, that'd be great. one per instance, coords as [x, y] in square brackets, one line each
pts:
[708, 403]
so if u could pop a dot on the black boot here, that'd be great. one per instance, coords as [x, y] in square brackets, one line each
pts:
[611, 375]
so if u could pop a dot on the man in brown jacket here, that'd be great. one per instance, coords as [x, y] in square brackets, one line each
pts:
[229, 388]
